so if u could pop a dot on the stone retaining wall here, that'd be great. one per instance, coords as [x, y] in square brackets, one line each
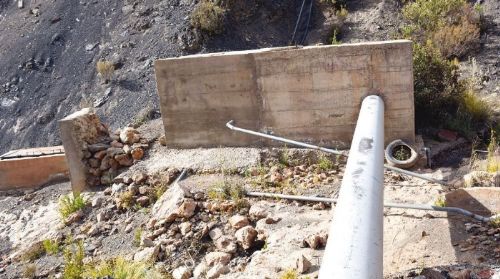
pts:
[95, 155]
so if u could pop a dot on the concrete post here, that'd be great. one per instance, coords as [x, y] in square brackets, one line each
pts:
[354, 247]
[77, 131]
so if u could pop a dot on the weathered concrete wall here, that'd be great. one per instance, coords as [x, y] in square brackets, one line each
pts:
[31, 172]
[308, 94]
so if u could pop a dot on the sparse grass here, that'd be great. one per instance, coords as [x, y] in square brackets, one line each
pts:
[284, 157]
[159, 190]
[226, 191]
[120, 268]
[73, 255]
[493, 160]
[441, 202]
[29, 271]
[137, 237]
[126, 199]
[34, 252]
[105, 69]
[71, 203]
[342, 13]
[290, 274]
[265, 246]
[142, 117]
[208, 16]
[334, 39]
[255, 171]
[324, 163]
[477, 108]
[51, 246]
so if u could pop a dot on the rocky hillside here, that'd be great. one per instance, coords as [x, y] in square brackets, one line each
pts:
[50, 50]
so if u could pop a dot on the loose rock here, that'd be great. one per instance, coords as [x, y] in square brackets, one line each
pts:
[129, 135]
[182, 272]
[226, 244]
[238, 221]
[217, 258]
[246, 236]
[302, 264]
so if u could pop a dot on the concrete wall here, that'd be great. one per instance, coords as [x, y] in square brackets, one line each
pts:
[309, 94]
[31, 172]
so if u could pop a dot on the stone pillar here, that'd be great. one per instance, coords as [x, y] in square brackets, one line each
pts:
[78, 131]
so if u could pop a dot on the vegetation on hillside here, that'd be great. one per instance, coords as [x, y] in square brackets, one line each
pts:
[71, 203]
[442, 31]
[208, 17]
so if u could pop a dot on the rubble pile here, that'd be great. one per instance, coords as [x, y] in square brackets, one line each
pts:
[107, 156]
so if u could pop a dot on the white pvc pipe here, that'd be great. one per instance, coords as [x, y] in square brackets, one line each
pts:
[354, 247]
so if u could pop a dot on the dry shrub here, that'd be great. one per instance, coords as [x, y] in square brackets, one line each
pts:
[457, 40]
[441, 30]
[208, 16]
[105, 69]
[452, 25]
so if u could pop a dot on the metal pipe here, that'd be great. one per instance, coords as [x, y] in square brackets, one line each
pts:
[298, 143]
[328, 150]
[427, 207]
[354, 248]
[417, 175]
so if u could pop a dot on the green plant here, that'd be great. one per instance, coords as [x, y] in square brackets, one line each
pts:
[225, 191]
[126, 199]
[477, 108]
[492, 160]
[208, 17]
[71, 203]
[265, 246]
[159, 190]
[342, 13]
[290, 274]
[452, 25]
[443, 29]
[51, 246]
[324, 163]
[436, 85]
[29, 271]
[284, 157]
[441, 202]
[495, 222]
[402, 153]
[137, 237]
[120, 268]
[73, 255]
[334, 39]
[105, 69]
